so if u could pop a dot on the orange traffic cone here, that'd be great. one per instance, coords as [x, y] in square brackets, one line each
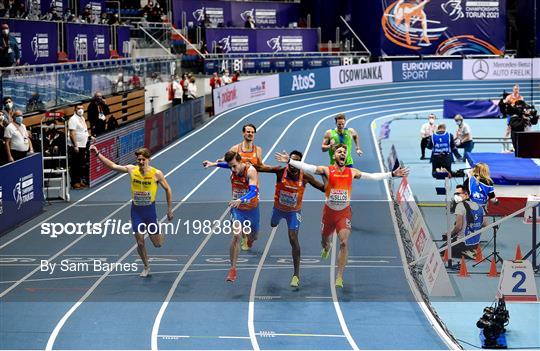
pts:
[493, 269]
[479, 255]
[519, 256]
[463, 268]
[445, 256]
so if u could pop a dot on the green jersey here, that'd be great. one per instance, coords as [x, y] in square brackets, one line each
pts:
[344, 138]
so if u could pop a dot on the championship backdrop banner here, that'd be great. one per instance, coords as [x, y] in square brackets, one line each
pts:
[218, 12]
[361, 74]
[21, 191]
[443, 27]
[87, 41]
[122, 40]
[265, 14]
[241, 40]
[38, 40]
[245, 91]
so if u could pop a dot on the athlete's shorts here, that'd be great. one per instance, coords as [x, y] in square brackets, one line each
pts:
[247, 215]
[293, 218]
[333, 220]
[142, 217]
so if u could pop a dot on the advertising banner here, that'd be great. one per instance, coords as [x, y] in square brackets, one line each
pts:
[231, 40]
[118, 146]
[245, 91]
[287, 40]
[87, 41]
[471, 108]
[445, 27]
[304, 81]
[153, 132]
[38, 40]
[361, 74]
[74, 85]
[218, 12]
[265, 14]
[122, 39]
[21, 191]
[500, 69]
[406, 71]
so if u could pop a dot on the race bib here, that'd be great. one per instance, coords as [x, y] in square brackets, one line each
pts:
[287, 198]
[142, 198]
[338, 196]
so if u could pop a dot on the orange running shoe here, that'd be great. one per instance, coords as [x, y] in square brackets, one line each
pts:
[231, 277]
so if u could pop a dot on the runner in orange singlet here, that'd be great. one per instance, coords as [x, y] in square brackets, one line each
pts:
[337, 211]
[290, 185]
[247, 149]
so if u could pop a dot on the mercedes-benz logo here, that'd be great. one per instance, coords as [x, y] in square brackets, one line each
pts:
[480, 69]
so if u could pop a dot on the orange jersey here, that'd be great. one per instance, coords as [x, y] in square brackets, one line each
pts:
[512, 99]
[289, 193]
[240, 187]
[339, 187]
[248, 156]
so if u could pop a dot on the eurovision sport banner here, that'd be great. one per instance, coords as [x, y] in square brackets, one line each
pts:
[38, 40]
[235, 13]
[444, 27]
[242, 40]
[87, 41]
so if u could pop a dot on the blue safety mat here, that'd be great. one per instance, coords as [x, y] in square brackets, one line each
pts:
[506, 169]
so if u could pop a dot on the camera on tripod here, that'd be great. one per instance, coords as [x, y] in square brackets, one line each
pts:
[521, 109]
[492, 325]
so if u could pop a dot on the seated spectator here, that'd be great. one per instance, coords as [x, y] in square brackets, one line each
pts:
[87, 16]
[35, 103]
[104, 18]
[192, 89]
[426, 132]
[469, 219]
[52, 15]
[236, 76]
[16, 9]
[17, 139]
[135, 81]
[98, 110]
[34, 10]
[441, 143]
[153, 12]
[112, 123]
[225, 78]
[463, 138]
[69, 16]
[514, 97]
[9, 50]
[250, 22]
[113, 20]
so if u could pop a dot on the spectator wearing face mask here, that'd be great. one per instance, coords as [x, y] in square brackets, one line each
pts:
[226, 78]
[8, 107]
[426, 131]
[4, 121]
[78, 138]
[192, 89]
[98, 110]
[16, 138]
[463, 138]
[10, 54]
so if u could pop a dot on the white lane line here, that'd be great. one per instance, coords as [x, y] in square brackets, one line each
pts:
[266, 334]
[423, 307]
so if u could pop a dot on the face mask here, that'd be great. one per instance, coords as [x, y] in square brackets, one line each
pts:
[457, 198]
[9, 105]
[5, 31]
[80, 112]
[431, 121]
[458, 123]
[19, 119]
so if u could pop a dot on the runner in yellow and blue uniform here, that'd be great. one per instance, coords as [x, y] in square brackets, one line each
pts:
[144, 185]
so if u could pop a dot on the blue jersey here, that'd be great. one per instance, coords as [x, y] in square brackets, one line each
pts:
[477, 219]
[441, 143]
[479, 191]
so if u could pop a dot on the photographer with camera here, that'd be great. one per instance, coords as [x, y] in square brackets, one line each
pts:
[522, 120]
[441, 143]
[493, 323]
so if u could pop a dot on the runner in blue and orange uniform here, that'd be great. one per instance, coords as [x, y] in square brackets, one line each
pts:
[244, 205]
[144, 185]
[290, 185]
[337, 212]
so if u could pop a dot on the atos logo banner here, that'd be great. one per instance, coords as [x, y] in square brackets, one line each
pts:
[304, 81]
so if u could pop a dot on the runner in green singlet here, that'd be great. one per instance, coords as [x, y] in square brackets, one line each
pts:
[341, 135]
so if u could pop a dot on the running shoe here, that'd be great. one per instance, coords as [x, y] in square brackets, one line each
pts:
[295, 281]
[145, 273]
[231, 277]
[339, 282]
[325, 253]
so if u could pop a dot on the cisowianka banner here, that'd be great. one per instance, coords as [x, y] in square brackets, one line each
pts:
[444, 27]
[361, 74]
